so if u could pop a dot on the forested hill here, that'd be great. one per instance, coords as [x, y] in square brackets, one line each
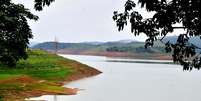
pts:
[122, 48]
[116, 46]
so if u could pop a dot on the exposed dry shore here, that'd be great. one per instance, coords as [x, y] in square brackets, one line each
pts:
[81, 71]
[155, 56]
[22, 86]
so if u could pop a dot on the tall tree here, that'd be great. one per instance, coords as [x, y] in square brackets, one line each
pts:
[168, 13]
[15, 31]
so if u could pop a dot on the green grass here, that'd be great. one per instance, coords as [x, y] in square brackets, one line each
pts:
[40, 64]
[41, 73]
[46, 87]
[13, 86]
[5, 76]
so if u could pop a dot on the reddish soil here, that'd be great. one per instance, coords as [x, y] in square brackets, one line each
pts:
[155, 56]
[79, 71]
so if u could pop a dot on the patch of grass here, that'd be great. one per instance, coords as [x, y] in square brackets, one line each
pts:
[11, 86]
[53, 74]
[7, 76]
[40, 64]
[12, 91]
[47, 74]
[46, 87]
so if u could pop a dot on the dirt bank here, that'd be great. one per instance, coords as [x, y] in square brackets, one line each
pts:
[17, 84]
[31, 87]
[155, 56]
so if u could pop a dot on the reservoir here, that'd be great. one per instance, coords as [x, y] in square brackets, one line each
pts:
[133, 80]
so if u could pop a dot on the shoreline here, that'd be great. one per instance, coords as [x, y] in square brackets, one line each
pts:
[81, 73]
[132, 59]
[24, 85]
[155, 56]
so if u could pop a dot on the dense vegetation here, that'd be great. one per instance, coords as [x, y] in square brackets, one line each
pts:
[167, 14]
[15, 31]
[132, 47]
[51, 46]
[39, 4]
[136, 49]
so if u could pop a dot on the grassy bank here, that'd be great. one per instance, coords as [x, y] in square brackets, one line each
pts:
[42, 73]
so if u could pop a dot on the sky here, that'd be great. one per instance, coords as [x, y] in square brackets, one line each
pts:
[79, 21]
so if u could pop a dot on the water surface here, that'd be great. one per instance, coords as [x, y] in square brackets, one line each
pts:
[128, 81]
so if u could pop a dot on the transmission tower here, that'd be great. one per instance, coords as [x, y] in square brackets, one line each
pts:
[56, 44]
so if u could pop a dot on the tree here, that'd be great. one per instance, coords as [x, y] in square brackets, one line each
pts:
[167, 14]
[15, 31]
[39, 4]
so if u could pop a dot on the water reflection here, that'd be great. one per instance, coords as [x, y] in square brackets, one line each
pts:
[55, 98]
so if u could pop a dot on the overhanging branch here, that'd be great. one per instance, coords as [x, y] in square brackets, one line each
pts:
[178, 27]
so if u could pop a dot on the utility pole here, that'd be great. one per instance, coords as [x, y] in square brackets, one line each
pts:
[56, 44]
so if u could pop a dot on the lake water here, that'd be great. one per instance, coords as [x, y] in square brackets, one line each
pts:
[130, 81]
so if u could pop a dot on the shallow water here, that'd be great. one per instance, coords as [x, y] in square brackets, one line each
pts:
[125, 81]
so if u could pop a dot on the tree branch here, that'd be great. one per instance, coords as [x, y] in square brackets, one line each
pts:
[179, 27]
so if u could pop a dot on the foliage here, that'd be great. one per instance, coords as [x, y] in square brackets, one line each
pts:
[1, 98]
[51, 46]
[167, 13]
[39, 4]
[139, 49]
[14, 31]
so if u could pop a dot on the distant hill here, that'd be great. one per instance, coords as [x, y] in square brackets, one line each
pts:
[125, 41]
[116, 46]
[194, 40]
[31, 44]
[122, 48]
[93, 43]
[172, 39]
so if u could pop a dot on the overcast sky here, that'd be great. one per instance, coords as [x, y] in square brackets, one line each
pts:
[78, 21]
